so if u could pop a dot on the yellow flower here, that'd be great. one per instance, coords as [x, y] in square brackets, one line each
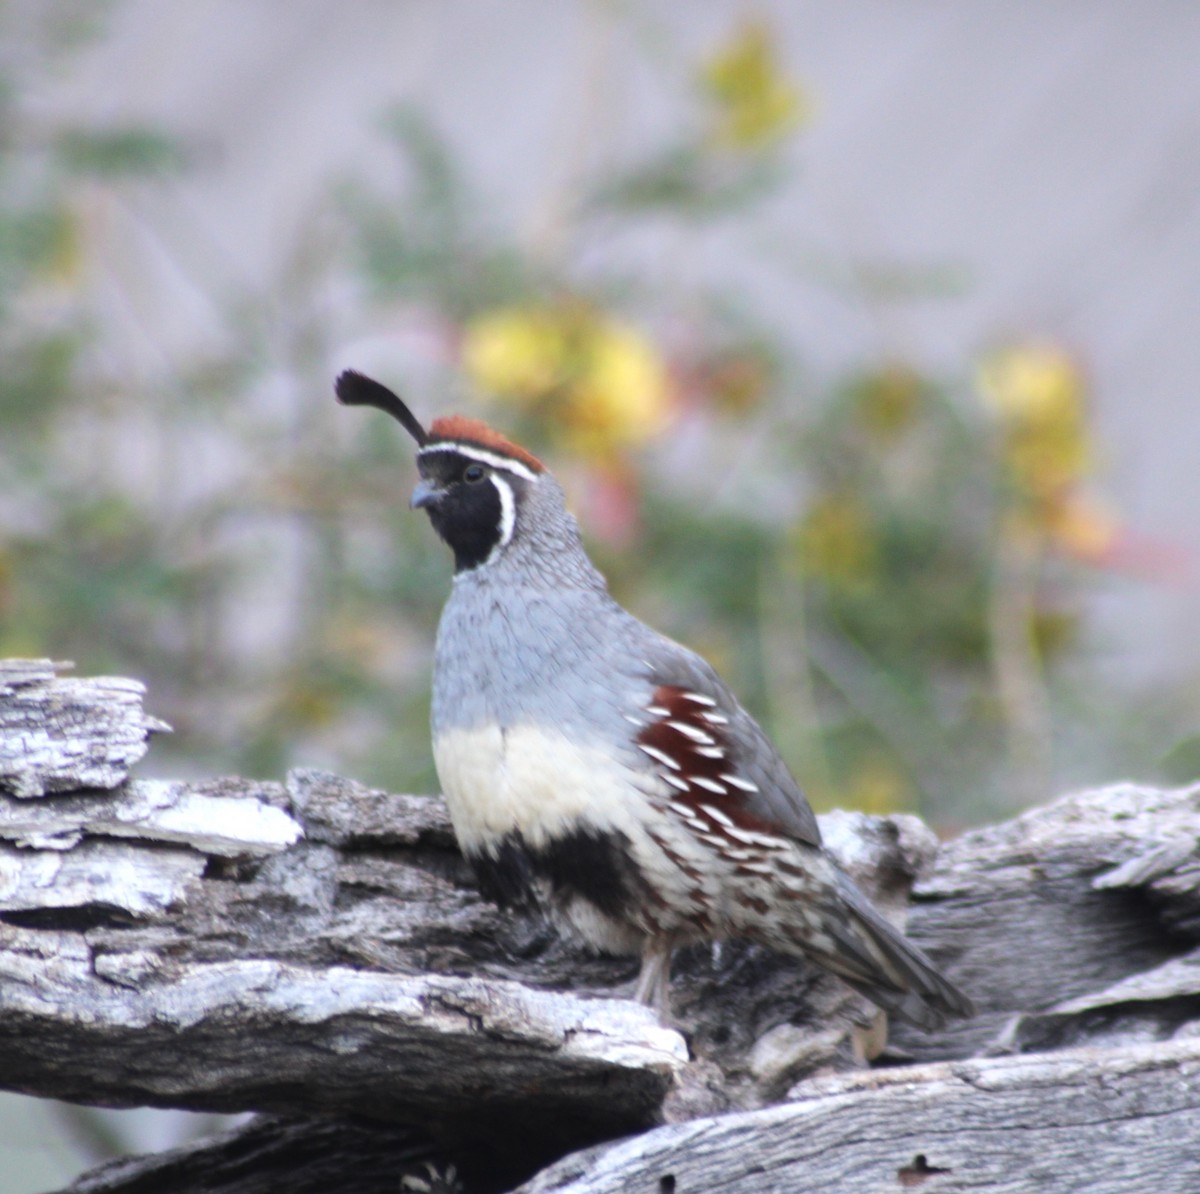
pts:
[1038, 391]
[755, 104]
[600, 382]
[1031, 382]
[621, 393]
[517, 353]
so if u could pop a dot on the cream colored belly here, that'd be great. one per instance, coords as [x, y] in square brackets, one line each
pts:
[532, 779]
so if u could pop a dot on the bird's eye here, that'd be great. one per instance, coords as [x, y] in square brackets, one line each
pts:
[474, 473]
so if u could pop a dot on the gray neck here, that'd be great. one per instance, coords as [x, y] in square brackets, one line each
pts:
[545, 551]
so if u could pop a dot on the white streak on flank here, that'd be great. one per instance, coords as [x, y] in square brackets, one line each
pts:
[676, 782]
[710, 752]
[660, 755]
[715, 719]
[634, 721]
[657, 711]
[737, 782]
[483, 456]
[684, 810]
[716, 815]
[699, 700]
[710, 785]
[694, 734]
[759, 868]
[750, 838]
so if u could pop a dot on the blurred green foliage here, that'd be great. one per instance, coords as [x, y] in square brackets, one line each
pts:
[890, 568]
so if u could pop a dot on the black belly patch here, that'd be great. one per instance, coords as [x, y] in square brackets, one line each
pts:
[505, 874]
[585, 863]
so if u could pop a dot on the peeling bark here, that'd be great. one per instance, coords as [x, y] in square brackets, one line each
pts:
[58, 735]
[317, 951]
[1062, 904]
[1114, 1121]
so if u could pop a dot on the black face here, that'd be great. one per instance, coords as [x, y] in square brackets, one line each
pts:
[463, 502]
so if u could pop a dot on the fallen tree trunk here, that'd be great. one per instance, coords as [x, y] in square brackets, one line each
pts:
[1084, 1119]
[317, 951]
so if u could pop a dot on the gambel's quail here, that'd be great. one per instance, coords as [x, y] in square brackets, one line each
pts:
[601, 772]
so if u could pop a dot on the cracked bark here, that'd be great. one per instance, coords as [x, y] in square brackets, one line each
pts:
[316, 951]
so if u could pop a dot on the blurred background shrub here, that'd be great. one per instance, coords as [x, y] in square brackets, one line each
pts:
[891, 566]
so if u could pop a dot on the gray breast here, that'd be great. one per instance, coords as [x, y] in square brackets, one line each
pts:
[513, 655]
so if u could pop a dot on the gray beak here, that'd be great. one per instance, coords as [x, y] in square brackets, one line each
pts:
[424, 494]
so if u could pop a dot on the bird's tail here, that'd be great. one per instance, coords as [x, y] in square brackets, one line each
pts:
[879, 962]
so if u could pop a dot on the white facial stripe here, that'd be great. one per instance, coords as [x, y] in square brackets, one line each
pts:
[484, 457]
[508, 514]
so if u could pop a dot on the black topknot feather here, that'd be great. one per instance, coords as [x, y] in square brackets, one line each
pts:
[355, 389]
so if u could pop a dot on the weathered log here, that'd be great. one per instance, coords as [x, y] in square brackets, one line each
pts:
[58, 735]
[294, 1156]
[318, 950]
[210, 897]
[1105, 1121]
[1100, 1121]
[1048, 911]
[139, 972]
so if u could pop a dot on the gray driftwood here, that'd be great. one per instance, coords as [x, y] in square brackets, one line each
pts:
[57, 735]
[316, 950]
[1107, 1121]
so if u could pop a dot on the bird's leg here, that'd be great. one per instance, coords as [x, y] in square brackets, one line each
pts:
[654, 978]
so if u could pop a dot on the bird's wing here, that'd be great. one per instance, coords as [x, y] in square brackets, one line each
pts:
[711, 751]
